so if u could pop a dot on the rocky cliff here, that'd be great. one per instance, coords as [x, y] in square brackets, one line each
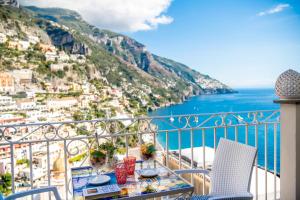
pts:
[13, 3]
[133, 53]
[110, 59]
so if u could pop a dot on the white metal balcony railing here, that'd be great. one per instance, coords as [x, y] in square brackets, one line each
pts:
[51, 149]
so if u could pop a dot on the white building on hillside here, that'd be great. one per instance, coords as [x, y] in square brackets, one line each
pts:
[85, 100]
[86, 87]
[33, 115]
[22, 76]
[6, 100]
[24, 45]
[56, 67]
[30, 94]
[26, 104]
[62, 56]
[19, 44]
[41, 107]
[77, 57]
[51, 56]
[61, 103]
[3, 38]
[7, 103]
[33, 39]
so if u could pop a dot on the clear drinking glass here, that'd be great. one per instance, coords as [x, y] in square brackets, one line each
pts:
[98, 159]
[148, 153]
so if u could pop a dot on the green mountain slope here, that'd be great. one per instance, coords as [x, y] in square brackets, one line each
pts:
[112, 60]
[135, 53]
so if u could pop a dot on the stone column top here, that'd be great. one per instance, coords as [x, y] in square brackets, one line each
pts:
[287, 101]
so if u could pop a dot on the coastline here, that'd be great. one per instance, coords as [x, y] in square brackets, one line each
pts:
[188, 97]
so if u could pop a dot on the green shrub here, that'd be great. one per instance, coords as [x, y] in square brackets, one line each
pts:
[82, 131]
[23, 161]
[20, 95]
[77, 158]
[78, 116]
[60, 74]
[5, 183]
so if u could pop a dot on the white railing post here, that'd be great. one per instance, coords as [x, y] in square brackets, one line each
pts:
[289, 149]
[288, 90]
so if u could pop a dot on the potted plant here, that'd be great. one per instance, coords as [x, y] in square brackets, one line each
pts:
[110, 150]
[148, 152]
[5, 183]
[101, 155]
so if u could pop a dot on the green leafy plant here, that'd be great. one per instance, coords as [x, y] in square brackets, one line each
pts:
[97, 156]
[5, 183]
[109, 148]
[82, 130]
[148, 151]
[23, 161]
[77, 158]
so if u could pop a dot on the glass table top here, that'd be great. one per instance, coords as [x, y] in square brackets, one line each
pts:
[136, 187]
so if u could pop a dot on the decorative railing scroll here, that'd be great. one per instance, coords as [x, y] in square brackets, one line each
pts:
[71, 139]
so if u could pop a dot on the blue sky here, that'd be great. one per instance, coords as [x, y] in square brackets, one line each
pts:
[242, 43]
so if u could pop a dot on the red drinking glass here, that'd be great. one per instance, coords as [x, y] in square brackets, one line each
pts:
[121, 173]
[130, 164]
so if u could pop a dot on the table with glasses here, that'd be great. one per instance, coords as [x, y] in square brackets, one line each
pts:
[167, 183]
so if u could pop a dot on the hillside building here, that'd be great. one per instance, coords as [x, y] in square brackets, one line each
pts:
[7, 83]
[3, 38]
[14, 45]
[22, 76]
[51, 56]
[6, 100]
[33, 39]
[6, 119]
[24, 45]
[7, 103]
[47, 48]
[63, 57]
[26, 104]
[19, 45]
[56, 67]
[61, 103]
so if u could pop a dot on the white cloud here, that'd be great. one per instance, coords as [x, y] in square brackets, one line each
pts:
[117, 15]
[276, 9]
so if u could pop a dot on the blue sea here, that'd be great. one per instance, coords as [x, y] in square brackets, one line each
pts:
[244, 100]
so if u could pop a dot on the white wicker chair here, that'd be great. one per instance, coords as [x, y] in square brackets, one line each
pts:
[32, 192]
[231, 172]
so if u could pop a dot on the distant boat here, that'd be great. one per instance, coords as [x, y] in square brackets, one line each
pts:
[172, 118]
[240, 118]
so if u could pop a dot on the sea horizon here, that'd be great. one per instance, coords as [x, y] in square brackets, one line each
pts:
[265, 102]
[246, 100]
